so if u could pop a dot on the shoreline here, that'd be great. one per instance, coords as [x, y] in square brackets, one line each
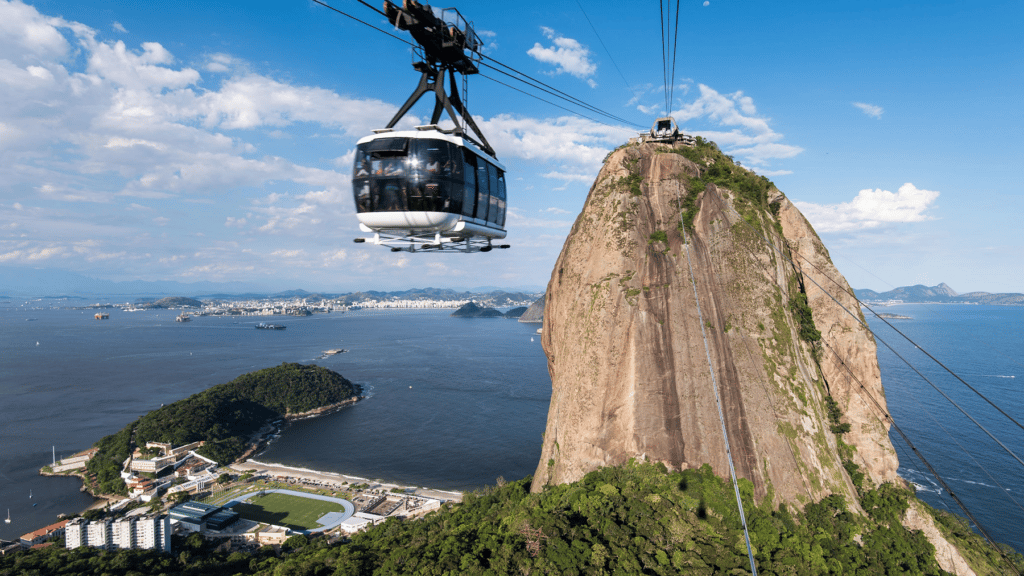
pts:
[337, 477]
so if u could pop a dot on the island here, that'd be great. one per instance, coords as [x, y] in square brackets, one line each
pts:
[891, 316]
[473, 310]
[224, 423]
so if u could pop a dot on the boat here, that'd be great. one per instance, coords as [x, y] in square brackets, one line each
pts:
[102, 316]
[8, 520]
[265, 326]
[183, 317]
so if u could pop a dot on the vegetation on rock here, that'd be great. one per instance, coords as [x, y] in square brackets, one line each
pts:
[632, 519]
[225, 416]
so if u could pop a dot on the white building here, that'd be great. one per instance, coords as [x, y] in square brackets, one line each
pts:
[98, 534]
[146, 532]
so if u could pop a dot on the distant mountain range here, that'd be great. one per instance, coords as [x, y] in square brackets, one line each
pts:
[49, 282]
[941, 294]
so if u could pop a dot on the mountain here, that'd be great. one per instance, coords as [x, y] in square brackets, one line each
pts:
[916, 293]
[941, 293]
[685, 302]
[472, 310]
[535, 313]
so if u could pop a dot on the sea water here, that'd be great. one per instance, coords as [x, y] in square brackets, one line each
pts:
[452, 403]
[983, 345]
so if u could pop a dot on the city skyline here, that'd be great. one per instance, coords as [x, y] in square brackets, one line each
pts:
[214, 143]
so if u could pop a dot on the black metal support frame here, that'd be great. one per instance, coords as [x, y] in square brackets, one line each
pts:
[432, 80]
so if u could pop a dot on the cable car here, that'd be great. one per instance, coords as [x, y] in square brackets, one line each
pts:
[428, 189]
[432, 188]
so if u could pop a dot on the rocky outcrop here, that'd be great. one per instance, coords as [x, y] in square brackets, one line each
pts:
[848, 355]
[515, 313]
[535, 313]
[635, 363]
[472, 310]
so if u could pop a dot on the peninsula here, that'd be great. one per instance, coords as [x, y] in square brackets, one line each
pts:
[225, 422]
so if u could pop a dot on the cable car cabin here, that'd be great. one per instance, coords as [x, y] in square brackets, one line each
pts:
[427, 189]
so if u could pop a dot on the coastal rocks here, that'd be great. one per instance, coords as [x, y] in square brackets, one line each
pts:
[535, 313]
[626, 343]
[473, 310]
[515, 313]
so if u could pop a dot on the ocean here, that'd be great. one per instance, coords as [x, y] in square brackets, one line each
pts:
[452, 403]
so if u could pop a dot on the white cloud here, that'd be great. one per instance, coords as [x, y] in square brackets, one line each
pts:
[870, 109]
[871, 209]
[555, 210]
[566, 54]
[584, 178]
[751, 137]
[515, 219]
[118, 27]
[567, 140]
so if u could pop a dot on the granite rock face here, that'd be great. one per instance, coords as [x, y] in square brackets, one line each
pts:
[535, 313]
[628, 350]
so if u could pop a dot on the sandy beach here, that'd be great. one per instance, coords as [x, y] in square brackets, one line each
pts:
[338, 479]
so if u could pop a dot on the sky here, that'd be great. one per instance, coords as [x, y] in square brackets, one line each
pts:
[213, 141]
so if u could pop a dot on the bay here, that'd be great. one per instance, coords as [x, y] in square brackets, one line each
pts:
[452, 403]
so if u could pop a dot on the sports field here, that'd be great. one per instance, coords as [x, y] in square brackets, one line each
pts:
[286, 510]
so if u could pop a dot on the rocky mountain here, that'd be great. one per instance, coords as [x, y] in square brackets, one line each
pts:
[685, 273]
[916, 293]
[473, 310]
[941, 293]
[171, 302]
[535, 313]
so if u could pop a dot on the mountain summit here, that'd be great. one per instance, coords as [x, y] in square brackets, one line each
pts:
[685, 273]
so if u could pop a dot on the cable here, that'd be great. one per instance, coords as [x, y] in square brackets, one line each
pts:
[630, 88]
[347, 15]
[863, 390]
[545, 101]
[718, 403]
[664, 51]
[936, 360]
[675, 52]
[530, 81]
[554, 92]
[893, 350]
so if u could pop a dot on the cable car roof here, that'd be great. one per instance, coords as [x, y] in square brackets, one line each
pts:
[432, 133]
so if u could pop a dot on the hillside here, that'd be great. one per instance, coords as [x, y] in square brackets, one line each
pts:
[939, 294]
[225, 416]
[690, 298]
[631, 519]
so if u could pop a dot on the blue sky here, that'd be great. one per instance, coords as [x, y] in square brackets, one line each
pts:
[213, 141]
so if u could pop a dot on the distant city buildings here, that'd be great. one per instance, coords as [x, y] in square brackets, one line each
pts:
[134, 532]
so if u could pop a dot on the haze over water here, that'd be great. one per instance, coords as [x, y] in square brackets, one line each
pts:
[476, 408]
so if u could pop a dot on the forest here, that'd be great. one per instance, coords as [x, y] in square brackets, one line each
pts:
[225, 416]
[633, 519]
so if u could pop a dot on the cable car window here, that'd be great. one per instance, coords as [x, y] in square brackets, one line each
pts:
[452, 194]
[502, 199]
[492, 178]
[482, 189]
[391, 197]
[469, 185]
[387, 146]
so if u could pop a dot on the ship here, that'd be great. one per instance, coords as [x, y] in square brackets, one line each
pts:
[102, 316]
[265, 326]
[183, 317]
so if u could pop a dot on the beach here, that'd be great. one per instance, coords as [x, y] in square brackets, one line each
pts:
[320, 478]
